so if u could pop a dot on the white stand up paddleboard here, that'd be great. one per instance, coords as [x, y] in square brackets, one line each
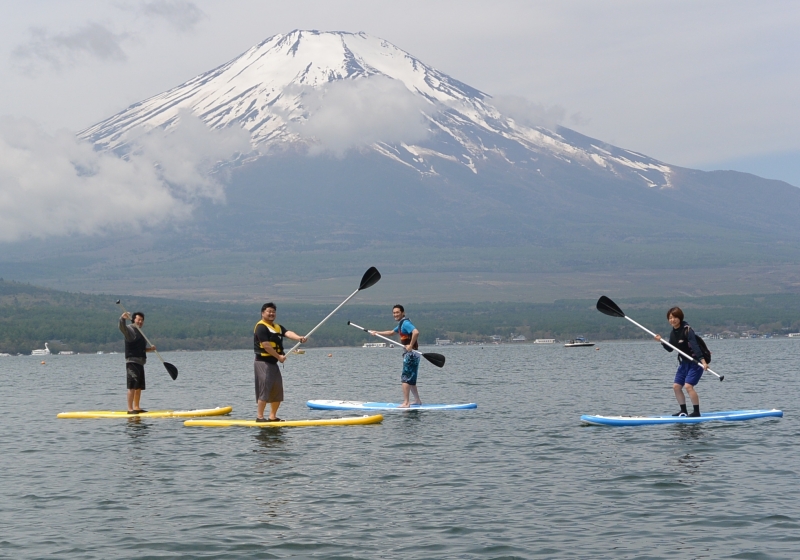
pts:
[360, 405]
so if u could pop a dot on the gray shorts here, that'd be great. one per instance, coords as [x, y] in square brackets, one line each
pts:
[269, 383]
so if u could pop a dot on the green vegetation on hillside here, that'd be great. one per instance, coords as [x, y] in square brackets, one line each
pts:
[31, 316]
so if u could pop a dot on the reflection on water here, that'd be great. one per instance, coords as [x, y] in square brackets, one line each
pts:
[135, 428]
[690, 432]
[270, 439]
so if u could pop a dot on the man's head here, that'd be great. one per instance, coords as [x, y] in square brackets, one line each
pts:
[268, 312]
[138, 318]
[398, 311]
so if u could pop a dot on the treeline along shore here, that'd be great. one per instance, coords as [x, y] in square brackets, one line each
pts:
[31, 316]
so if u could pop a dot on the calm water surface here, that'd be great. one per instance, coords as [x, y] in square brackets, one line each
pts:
[517, 478]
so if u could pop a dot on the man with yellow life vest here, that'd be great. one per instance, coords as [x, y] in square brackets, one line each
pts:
[408, 338]
[268, 345]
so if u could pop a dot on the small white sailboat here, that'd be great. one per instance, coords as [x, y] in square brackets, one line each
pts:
[41, 351]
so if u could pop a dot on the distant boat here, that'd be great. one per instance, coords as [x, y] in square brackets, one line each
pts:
[100, 352]
[4, 355]
[545, 341]
[578, 342]
[375, 345]
[66, 353]
[41, 352]
[298, 351]
[443, 342]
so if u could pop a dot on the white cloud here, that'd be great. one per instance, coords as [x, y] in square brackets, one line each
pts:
[529, 113]
[92, 40]
[58, 185]
[181, 14]
[354, 113]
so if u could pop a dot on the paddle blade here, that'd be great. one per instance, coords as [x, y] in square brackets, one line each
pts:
[435, 359]
[608, 307]
[171, 370]
[370, 278]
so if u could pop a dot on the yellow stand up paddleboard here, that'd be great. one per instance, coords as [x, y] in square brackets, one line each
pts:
[352, 421]
[219, 411]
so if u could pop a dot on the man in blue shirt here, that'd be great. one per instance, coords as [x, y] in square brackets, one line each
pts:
[408, 338]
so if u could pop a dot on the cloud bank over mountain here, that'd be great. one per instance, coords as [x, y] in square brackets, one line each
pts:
[356, 113]
[59, 185]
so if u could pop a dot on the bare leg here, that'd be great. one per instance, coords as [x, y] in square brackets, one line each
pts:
[678, 389]
[273, 407]
[406, 391]
[130, 399]
[416, 394]
[260, 409]
[137, 394]
[692, 394]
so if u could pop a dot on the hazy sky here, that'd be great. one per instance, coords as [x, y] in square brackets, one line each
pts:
[705, 84]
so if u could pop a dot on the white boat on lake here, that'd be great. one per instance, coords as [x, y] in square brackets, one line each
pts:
[578, 342]
[41, 351]
[376, 345]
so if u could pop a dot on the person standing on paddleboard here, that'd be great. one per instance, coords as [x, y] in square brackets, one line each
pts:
[408, 338]
[268, 345]
[689, 373]
[135, 357]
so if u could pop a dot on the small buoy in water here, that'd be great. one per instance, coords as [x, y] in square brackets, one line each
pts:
[330, 355]
[43, 363]
[598, 348]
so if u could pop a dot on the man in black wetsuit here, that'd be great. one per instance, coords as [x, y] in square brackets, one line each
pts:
[135, 357]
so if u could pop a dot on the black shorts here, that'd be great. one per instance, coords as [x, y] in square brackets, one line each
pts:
[135, 374]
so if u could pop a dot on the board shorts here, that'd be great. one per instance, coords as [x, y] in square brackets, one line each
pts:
[269, 382]
[410, 368]
[135, 374]
[688, 372]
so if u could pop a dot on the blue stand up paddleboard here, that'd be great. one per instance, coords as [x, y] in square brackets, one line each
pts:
[359, 405]
[724, 416]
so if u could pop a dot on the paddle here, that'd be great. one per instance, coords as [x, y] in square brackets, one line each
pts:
[432, 357]
[171, 370]
[608, 307]
[370, 278]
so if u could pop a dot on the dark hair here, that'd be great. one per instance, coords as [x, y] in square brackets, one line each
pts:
[268, 305]
[400, 307]
[675, 312]
[135, 313]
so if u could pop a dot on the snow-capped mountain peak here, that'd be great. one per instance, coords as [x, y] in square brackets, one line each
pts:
[338, 90]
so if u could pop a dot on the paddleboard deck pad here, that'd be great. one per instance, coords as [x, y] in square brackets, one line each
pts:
[359, 405]
[724, 416]
[219, 411]
[227, 423]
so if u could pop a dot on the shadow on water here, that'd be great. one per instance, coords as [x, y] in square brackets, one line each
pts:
[270, 439]
[690, 432]
[135, 428]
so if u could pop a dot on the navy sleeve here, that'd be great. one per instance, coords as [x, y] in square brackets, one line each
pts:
[696, 352]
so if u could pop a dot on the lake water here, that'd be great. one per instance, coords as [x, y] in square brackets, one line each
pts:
[519, 477]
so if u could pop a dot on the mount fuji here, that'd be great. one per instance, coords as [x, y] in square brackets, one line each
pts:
[359, 152]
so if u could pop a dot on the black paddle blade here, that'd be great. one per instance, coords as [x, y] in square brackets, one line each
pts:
[435, 359]
[171, 370]
[608, 307]
[370, 278]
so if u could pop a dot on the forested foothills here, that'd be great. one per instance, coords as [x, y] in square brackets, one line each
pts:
[31, 316]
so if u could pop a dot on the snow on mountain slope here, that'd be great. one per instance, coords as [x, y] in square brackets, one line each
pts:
[284, 92]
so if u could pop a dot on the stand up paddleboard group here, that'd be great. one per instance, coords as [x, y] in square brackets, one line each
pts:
[268, 345]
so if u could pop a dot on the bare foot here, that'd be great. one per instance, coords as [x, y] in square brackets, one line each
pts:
[403, 405]
[416, 403]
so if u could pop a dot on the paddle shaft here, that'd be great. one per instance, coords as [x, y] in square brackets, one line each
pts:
[684, 354]
[321, 322]
[142, 333]
[389, 340]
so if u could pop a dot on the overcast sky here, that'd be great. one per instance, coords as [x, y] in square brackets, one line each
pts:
[704, 84]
